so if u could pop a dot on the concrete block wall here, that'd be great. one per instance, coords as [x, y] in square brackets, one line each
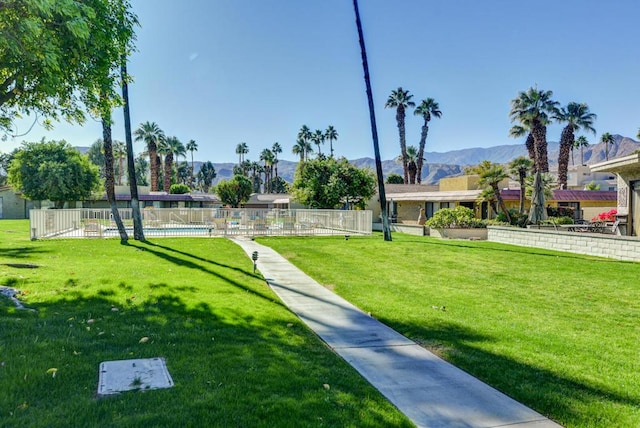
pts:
[593, 244]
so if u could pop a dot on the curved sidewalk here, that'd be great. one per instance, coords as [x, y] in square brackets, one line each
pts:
[427, 389]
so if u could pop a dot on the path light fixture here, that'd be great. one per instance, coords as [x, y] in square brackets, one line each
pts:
[254, 257]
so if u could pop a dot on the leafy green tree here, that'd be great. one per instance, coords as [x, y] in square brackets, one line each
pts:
[96, 156]
[576, 116]
[331, 183]
[400, 100]
[427, 109]
[53, 170]
[206, 175]
[533, 109]
[234, 192]
[520, 168]
[394, 179]
[607, 139]
[279, 185]
[592, 185]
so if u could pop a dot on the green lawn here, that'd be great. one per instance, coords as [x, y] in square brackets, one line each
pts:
[557, 331]
[237, 356]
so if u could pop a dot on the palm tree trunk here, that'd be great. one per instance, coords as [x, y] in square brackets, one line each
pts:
[386, 230]
[152, 148]
[109, 176]
[531, 149]
[566, 142]
[403, 142]
[503, 207]
[522, 175]
[168, 164]
[539, 132]
[138, 231]
[423, 142]
[581, 155]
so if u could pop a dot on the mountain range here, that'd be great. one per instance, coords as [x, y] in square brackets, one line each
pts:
[439, 165]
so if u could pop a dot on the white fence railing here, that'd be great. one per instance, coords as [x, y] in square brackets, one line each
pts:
[174, 222]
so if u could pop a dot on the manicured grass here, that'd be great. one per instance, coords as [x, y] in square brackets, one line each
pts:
[557, 331]
[237, 356]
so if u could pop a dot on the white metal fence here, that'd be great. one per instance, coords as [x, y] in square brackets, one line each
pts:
[174, 222]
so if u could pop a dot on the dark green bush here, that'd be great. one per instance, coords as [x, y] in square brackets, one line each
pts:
[459, 216]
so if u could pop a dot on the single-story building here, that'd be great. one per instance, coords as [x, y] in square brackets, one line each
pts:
[627, 170]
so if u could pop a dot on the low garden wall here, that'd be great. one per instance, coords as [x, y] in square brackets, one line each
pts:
[593, 244]
[409, 229]
[459, 233]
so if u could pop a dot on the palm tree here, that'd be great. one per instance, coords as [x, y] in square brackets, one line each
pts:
[386, 230]
[491, 174]
[119, 154]
[426, 109]
[520, 167]
[151, 134]
[299, 149]
[276, 149]
[304, 133]
[607, 139]
[191, 147]
[318, 138]
[331, 134]
[576, 116]
[533, 109]
[412, 156]
[138, 232]
[400, 100]
[518, 131]
[267, 157]
[172, 149]
[581, 142]
[241, 150]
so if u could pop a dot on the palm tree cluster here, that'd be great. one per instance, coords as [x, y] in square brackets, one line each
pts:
[159, 146]
[306, 138]
[412, 159]
[266, 166]
[533, 110]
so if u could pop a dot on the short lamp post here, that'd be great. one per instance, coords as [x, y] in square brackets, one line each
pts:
[254, 257]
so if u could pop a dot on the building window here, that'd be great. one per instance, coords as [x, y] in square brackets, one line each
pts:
[445, 205]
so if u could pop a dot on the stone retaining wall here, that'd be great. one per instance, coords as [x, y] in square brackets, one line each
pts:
[593, 244]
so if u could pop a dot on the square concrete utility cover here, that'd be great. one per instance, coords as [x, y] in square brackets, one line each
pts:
[127, 375]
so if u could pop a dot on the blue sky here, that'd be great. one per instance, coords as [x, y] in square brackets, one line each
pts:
[223, 72]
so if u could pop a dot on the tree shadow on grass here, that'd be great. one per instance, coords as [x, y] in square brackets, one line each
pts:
[185, 262]
[547, 392]
[229, 369]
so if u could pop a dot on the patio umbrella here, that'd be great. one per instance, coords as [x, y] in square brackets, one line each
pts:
[538, 211]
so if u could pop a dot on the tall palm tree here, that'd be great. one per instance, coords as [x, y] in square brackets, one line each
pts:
[191, 147]
[119, 154]
[138, 232]
[607, 139]
[241, 150]
[172, 150]
[400, 100]
[518, 131]
[581, 142]
[299, 149]
[427, 108]
[386, 230]
[151, 134]
[276, 149]
[318, 138]
[267, 157]
[534, 108]
[520, 167]
[331, 134]
[576, 116]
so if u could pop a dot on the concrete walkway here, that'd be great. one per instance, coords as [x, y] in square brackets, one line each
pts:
[427, 389]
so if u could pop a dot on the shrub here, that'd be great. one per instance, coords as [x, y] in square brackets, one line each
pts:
[459, 216]
[517, 219]
[560, 212]
[606, 216]
[179, 189]
[561, 220]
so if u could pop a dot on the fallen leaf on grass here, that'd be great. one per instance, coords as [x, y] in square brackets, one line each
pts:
[326, 386]
[52, 371]
[144, 340]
